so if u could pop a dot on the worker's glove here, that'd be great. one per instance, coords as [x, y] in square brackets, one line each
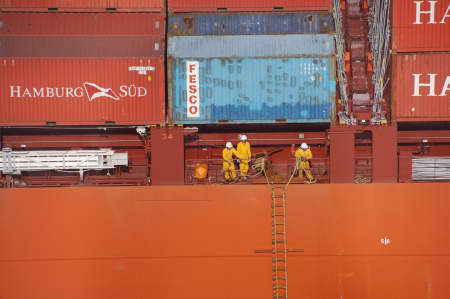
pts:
[249, 159]
[304, 159]
[239, 161]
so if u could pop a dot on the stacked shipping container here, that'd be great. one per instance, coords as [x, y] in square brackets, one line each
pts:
[96, 68]
[421, 46]
[250, 67]
[81, 68]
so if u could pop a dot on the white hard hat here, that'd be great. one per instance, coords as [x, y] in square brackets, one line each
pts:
[304, 146]
[243, 137]
[229, 145]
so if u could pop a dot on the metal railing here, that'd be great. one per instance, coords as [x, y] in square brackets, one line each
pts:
[319, 170]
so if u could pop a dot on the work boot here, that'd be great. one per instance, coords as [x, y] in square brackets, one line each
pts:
[312, 181]
[244, 177]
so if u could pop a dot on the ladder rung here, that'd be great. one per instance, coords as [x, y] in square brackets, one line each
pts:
[279, 277]
[279, 260]
[279, 251]
[279, 269]
[278, 215]
[277, 187]
[278, 233]
[277, 196]
[279, 223]
[278, 241]
[279, 287]
[278, 205]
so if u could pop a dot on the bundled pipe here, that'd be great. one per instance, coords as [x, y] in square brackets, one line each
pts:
[431, 169]
[379, 38]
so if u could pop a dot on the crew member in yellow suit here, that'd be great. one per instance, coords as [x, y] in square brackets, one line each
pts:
[244, 155]
[303, 155]
[228, 164]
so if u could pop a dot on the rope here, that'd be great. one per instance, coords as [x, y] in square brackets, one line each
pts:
[258, 165]
[290, 179]
[293, 172]
[362, 180]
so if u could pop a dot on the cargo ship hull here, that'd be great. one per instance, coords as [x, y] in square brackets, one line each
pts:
[359, 241]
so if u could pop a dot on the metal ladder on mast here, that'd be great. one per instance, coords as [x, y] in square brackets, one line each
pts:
[279, 249]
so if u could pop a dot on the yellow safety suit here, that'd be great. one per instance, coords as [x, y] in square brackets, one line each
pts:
[228, 165]
[303, 165]
[244, 154]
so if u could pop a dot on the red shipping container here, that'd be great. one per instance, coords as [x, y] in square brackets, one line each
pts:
[82, 5]
[36, 92]
[420, 26]
[247, 5]
[81, 35]
[69, 24]
[421, 87]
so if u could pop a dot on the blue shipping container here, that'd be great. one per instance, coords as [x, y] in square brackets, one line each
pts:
[296, 45]
[244, 23]
[253, 90]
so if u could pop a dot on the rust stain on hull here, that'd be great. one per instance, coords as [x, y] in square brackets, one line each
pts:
[359, 241]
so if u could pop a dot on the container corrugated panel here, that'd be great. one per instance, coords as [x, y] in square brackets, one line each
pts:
[421, 87]
[81, 46]
[254, 90]
[251, 46]
[36, 92]
[82, 5]
[245, 23]
[81, 35]
[420, 26]
[111, 24]
[247, 5]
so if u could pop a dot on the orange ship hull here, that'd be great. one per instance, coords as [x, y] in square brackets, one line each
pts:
[360, 241]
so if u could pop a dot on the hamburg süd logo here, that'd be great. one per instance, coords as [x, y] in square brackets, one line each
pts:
[93, 91]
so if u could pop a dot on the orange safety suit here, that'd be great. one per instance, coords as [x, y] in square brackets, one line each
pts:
[302, 164]
[244, 154]
[228, 165]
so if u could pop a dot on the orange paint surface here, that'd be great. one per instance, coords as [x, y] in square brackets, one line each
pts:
[360, 241]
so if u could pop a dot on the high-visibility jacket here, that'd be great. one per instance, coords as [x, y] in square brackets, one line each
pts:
[300, 153]
[243, 150]
[228, 154]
